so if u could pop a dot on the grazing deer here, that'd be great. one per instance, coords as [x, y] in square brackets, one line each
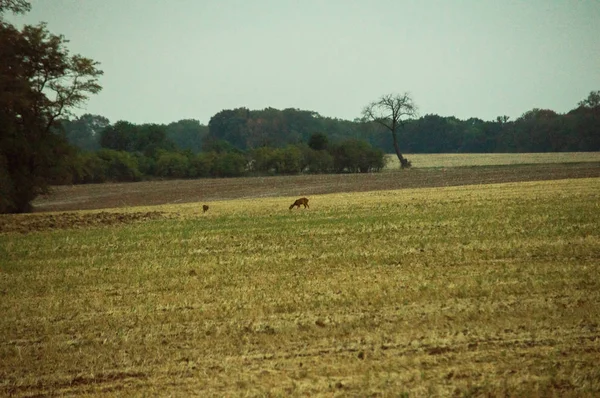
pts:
[204, 208]
[301, 201]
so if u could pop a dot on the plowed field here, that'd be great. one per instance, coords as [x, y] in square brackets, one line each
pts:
[102, 196]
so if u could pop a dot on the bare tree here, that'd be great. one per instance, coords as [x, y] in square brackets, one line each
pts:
[389, 111]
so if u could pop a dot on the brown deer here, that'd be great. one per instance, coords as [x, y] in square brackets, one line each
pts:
[301, 201]
[204, 208]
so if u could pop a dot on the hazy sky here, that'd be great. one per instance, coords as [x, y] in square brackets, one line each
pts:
[169, 60]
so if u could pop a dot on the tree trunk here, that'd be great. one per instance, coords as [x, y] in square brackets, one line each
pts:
[404, 163]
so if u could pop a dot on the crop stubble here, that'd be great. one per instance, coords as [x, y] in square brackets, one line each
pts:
[477, 290]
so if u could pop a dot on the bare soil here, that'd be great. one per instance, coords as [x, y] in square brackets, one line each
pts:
[150, 193]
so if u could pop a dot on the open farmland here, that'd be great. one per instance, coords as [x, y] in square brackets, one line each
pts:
[432, 171]
[448, 291]
[420, 160]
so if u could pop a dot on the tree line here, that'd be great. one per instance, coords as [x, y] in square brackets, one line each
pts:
[238, 142]
[130, 153]
[537, 130]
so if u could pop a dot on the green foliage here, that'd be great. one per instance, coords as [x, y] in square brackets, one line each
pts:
[146, 165]
[90, 169]
[119, 165]
[84, 132]
[354, 156]
[201, 164]
[14, 6]
[262, 159]
[287, 160]
[228, 164]
[592, 101]
[318, 141]
[119, 136]
[242, 129]
[245, 129]
[229, 125]
[219, 146]
[172, 164]
[187, 134]
[39, 83]
[292, 159]
[148, 139]
[319, 161]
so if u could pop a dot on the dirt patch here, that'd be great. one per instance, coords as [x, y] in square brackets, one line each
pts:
[43, 222]
[150, 193]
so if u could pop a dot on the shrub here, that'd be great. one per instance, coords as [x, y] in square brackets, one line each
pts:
[354, 156]
[172, 164]
[89, 169]
[319, 161]
[262, 159]
[146, 164]
[229, 164]
[287, 160]
[318, 142]
[119, 165]
[202, 164]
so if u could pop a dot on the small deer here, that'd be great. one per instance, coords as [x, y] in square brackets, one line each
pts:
[301, 201]
[204, 208]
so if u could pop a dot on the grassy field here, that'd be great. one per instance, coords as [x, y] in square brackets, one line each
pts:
[450, 291]
[490, 159]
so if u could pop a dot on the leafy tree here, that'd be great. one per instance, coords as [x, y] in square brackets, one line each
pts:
[229, 164]
[434, 134]
[584, 122]
[287, 160]
[119, 166]
[148, 139]
[172, 164]
[319, 161]
[388, 111]
[84, 132]
[472, 135]
[592, 101]
[151, 139]
[229, 125]
[40, 82]
[90, 168]
[146, 165]
[537, 131]
[201, 165]
[318, 141]
[262, 159]
[219, 146]
[355, 156]
[120, 136]
[15, 6]
[187, 134]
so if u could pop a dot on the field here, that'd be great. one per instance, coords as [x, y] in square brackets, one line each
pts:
[492, 159]
[432, 171]
[441, 290]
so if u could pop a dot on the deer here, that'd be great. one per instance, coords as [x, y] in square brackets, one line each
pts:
[301, 201]
[204, 208]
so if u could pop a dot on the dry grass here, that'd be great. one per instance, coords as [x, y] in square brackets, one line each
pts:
[491, 159]
[456, 291]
